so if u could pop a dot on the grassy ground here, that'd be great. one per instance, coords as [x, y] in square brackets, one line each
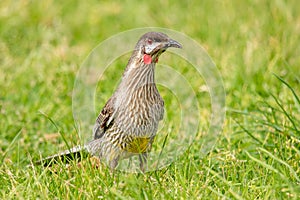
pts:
[256, 47]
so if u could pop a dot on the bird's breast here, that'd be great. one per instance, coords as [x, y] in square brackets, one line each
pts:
[141, 111]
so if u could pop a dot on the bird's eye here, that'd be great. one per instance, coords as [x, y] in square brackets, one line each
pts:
[149, 41]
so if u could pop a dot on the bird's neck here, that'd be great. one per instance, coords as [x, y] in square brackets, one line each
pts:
[137, 80]
[138, 75]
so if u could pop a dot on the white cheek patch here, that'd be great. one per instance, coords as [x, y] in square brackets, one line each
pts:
[150, 47]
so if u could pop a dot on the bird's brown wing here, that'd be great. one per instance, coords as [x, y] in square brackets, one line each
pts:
[105, 119]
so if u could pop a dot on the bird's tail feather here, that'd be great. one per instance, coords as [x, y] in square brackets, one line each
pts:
[75, 153]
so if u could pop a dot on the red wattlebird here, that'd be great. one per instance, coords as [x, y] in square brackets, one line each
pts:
[127, 124]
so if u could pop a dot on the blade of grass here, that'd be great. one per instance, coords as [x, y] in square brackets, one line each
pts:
[10, 145]
[217, 193]
[224, 181]
[163, 146]
[269, 167]
[280, 161]
[248, 132]
[285, 112]
[58, 130]
[288, 85]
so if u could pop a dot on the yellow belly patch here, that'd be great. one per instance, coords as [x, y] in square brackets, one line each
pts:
[138, 145]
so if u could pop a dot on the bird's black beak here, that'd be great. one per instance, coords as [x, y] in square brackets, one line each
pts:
[173, 43]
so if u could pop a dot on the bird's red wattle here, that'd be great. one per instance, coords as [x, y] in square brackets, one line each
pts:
[147, 59]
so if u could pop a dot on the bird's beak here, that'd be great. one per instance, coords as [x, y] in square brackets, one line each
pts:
[173, 43]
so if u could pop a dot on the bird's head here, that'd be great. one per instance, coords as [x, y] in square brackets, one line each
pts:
[152, 44]
[140, 67]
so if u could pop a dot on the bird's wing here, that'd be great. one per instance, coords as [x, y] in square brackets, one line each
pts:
[105, 119]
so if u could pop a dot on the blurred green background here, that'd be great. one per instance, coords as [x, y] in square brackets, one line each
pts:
[43, 43]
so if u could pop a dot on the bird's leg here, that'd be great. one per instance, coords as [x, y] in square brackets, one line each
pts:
[143, 161]
[129, 163]
[113, 163]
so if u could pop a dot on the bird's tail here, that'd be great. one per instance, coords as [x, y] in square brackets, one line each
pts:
[75, 153]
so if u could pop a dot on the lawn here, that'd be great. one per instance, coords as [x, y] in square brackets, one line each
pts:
[255, 48]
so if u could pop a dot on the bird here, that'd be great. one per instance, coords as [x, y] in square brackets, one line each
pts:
[127, 124]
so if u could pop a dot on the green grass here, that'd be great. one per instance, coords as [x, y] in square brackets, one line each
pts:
[254, 44]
